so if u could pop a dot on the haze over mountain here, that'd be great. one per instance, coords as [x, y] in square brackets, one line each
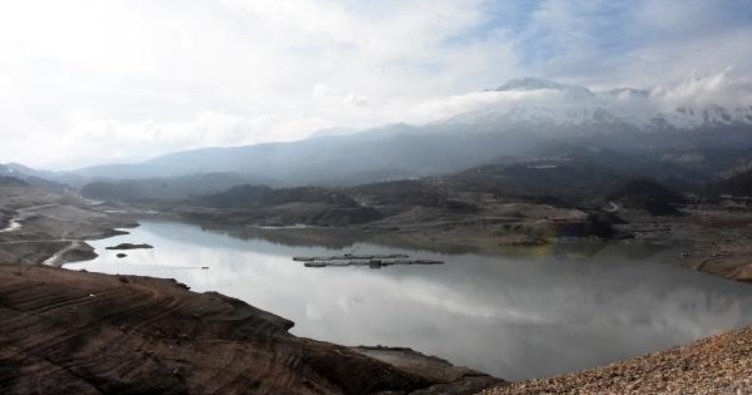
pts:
[542, 102]
[523, 118]
[88, 82]
[300, 92]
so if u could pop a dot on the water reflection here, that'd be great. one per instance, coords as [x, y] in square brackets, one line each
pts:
[514, 316]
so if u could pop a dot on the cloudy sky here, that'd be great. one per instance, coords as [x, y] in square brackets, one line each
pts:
[96, 81]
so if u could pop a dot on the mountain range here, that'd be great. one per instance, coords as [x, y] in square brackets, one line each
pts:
[633, 130]
[549, 103]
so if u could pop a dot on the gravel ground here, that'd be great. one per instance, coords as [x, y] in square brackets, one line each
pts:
[720, 364]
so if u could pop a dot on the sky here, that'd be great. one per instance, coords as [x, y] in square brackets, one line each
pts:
[85, 82]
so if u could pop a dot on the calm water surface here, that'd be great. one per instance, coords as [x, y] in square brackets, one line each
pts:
[548, 312]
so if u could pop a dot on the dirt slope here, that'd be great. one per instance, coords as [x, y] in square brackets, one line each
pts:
[85, 333]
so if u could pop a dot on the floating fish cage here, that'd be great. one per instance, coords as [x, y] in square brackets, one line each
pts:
[372, 261]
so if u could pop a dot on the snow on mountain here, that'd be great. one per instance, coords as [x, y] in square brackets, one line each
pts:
[534, 84]
[539, 102]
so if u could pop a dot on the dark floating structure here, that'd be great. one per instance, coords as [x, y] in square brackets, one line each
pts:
[129, 246]
[372, 261]
[346, 257]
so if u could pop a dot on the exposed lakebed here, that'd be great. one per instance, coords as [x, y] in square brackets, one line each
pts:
[548, 310]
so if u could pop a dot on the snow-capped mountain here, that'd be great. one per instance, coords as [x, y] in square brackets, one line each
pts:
[536, 84]
[538, 102]
[527, 118]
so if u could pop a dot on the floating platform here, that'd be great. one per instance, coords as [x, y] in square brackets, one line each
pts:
[373, 263]
[347, 257]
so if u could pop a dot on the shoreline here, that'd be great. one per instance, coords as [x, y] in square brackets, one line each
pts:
[106, 225]
[718, 364]
[699, 237]
[612, 243]
[658, 372]
[47, 228]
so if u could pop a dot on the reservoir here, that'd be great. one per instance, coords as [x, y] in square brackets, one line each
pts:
[533, 313]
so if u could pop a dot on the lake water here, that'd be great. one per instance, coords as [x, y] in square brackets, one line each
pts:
[549, 311]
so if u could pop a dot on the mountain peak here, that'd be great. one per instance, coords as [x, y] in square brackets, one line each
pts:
[533, 84]
[627, 92]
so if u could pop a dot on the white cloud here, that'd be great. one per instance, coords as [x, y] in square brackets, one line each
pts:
[722, 88]
[87, 81]
[148, 73]
[446, 107]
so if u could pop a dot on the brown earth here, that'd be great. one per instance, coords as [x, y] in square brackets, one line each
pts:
[52, 227]
[719, 364]
[492, 226]
[710, 239]
[85, 333]
[722, 244]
